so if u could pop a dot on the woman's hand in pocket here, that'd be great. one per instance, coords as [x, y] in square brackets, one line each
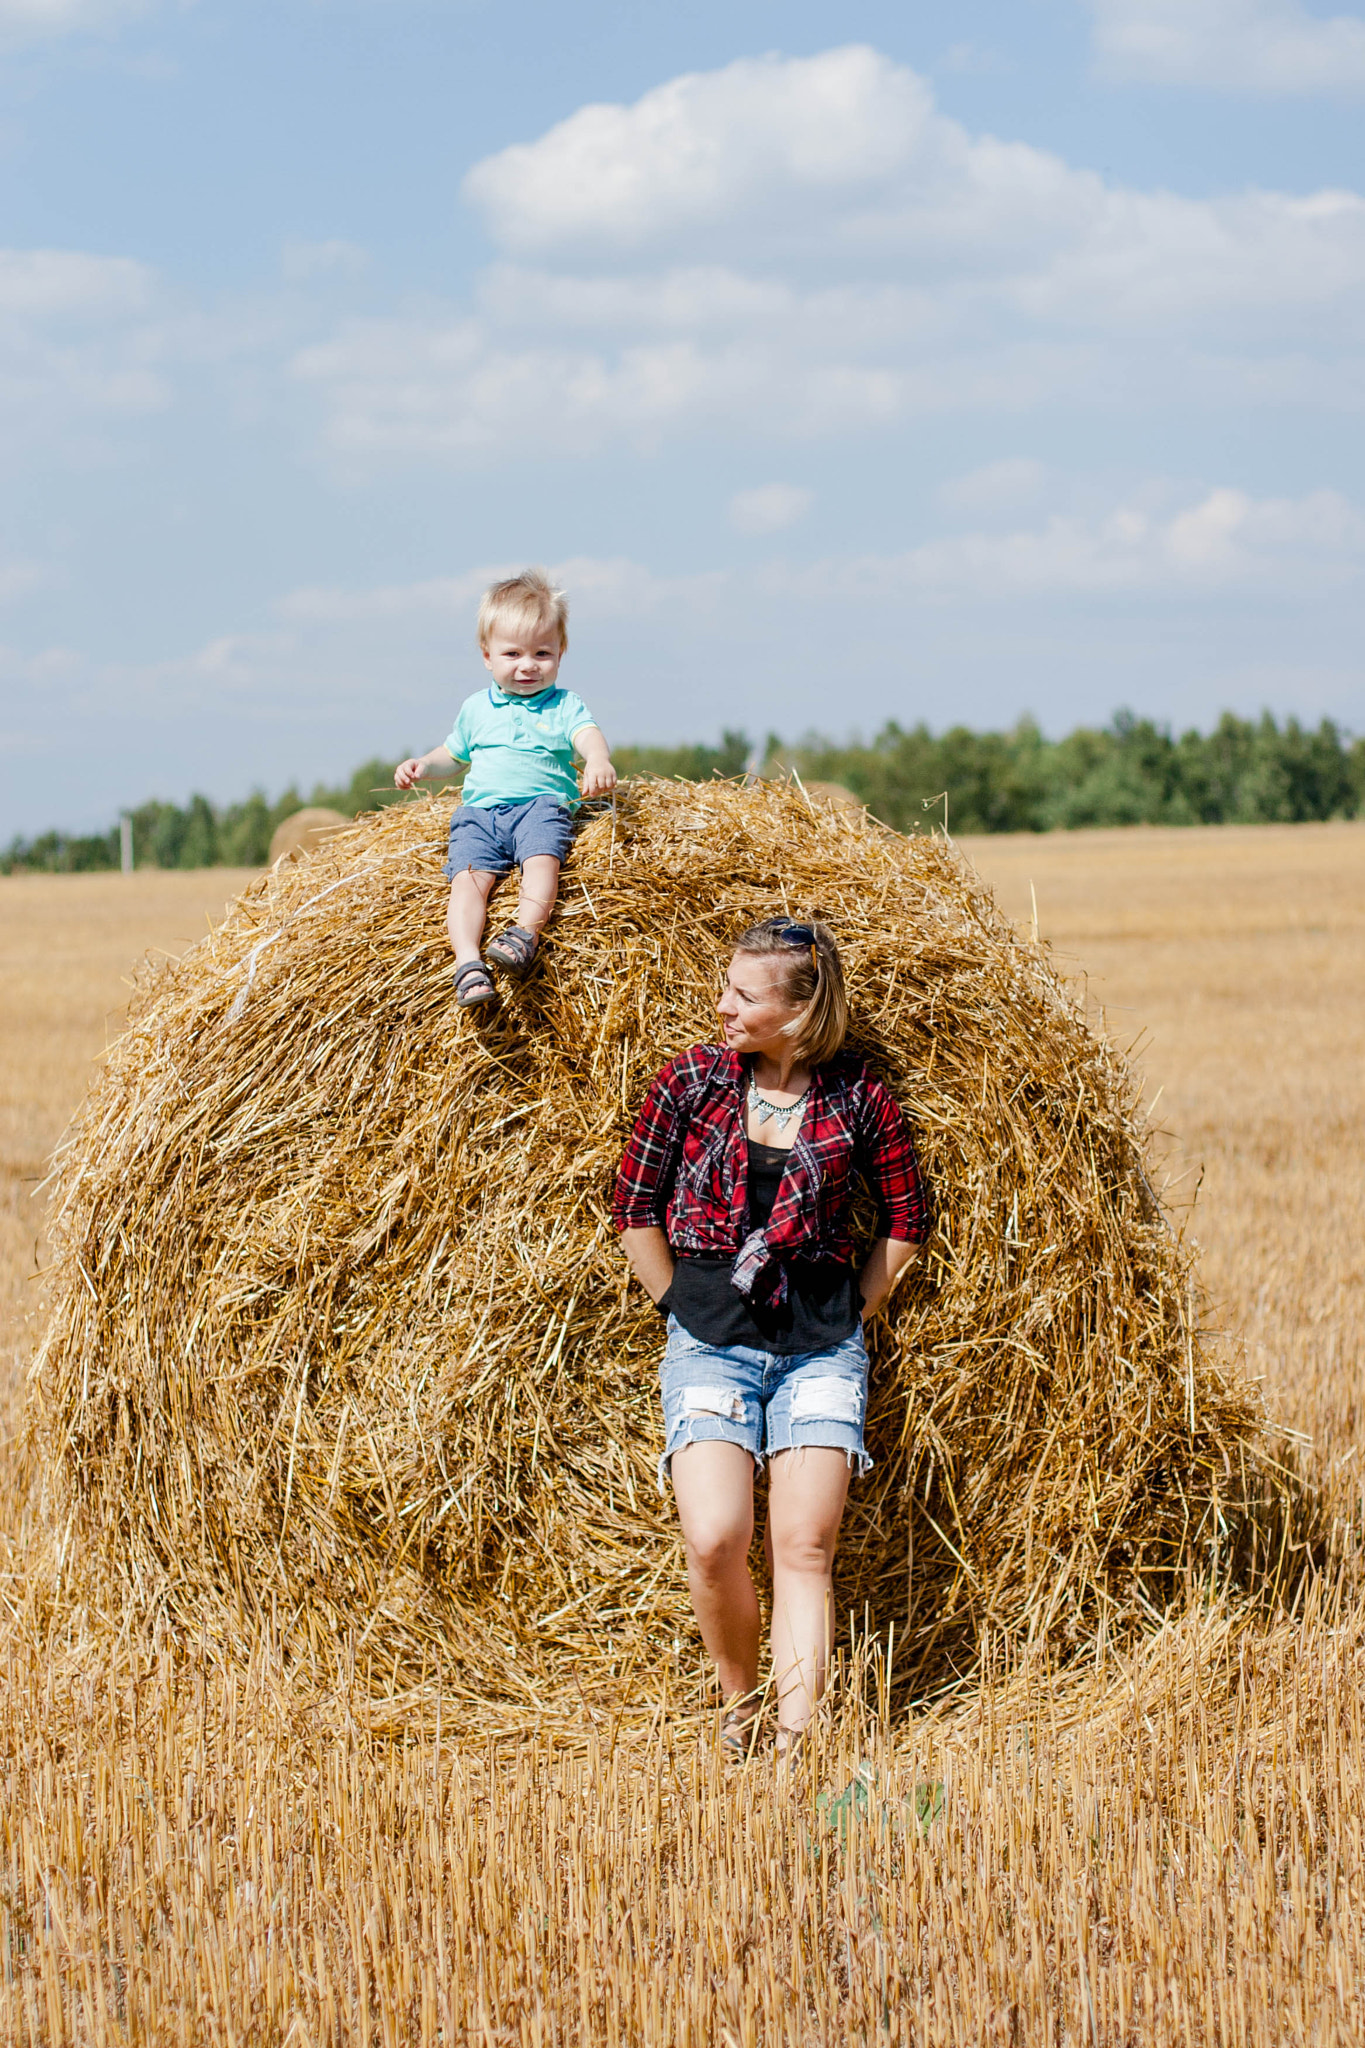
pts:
[887, 1260]
[651, 1259]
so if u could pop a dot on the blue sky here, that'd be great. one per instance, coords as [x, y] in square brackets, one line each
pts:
[848, 364]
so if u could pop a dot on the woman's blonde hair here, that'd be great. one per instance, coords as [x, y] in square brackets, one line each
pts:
[815, 979]
[523, 604]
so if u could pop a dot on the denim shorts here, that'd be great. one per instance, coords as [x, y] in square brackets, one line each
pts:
[503, 836]
[737, 1394]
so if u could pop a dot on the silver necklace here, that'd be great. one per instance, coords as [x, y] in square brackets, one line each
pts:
[781, 1115]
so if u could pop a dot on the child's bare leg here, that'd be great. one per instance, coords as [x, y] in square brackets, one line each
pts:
[468, 912]
[539, 888]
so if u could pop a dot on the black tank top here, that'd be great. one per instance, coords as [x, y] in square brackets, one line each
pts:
[822, 1306]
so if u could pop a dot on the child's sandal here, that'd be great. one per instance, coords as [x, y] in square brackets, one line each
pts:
[474, 985]
[515, 949]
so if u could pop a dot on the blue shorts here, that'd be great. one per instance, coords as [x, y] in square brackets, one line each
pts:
[504, 836]
[737, 1394]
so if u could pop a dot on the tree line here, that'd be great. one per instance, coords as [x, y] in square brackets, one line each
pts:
[1133, 771]
[198, 834]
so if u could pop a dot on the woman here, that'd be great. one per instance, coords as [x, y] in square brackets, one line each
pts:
[733, 1202]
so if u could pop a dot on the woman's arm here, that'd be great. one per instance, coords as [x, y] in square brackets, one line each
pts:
[650, 1161]
[651, 1260]
[887, 1260]
[892, 1173]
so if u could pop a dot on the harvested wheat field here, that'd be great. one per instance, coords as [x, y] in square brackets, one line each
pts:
[213, 1838]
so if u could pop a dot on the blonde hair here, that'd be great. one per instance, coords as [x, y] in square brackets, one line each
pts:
[815, 979]
[524, 603]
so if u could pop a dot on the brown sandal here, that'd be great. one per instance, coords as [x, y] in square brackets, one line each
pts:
[738, 1735]
[791, 1750]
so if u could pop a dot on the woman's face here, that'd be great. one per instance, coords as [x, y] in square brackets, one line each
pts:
[754, 1004]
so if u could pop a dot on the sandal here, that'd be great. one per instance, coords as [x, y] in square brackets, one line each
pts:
[791, 1750]
[515, 949]
[474, 985]
[738, 1734]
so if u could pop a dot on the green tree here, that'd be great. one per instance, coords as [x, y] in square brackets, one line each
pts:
[691, 763]
[369, 789]
[244, 833]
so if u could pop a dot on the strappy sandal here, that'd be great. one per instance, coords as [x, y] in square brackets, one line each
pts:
[515, 949]
[474, 985]
[738, 1734]
[791, 1750]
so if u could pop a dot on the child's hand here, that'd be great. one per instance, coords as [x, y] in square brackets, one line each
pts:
[599, 778]
[406, 773]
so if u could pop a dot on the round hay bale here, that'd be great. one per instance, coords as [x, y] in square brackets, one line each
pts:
[303, 831]
[834, 793]
[342, 1333]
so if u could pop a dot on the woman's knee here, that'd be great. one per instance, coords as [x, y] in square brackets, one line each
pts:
[806, 1553]
[717, 1549]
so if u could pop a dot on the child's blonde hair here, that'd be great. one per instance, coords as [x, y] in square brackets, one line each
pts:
[523, 603]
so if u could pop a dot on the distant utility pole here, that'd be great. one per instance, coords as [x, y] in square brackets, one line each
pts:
[125, 842]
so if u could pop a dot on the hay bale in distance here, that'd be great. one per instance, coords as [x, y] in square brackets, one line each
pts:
[303, 831]
[834, 793]
[341, 1329]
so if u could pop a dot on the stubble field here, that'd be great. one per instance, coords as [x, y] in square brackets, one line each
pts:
[1170, 1847]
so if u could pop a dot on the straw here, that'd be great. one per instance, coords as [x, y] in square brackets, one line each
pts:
[341, 1333]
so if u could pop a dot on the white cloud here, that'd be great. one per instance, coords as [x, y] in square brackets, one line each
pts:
[615, 587]
[703, 148]
[28, 20]
[610, 586]
[301, 261]
[686, 300]
[78, 336]
[439, 597]
[1262, 46]
[18, 578]
[1155, 540]
[973, 59]
[1224, 539]
[801, 247]
[462, 388]
[67, 284]
[430, 388]
[1001, 486]
[768, 508]
[88, 340]
[840, 164]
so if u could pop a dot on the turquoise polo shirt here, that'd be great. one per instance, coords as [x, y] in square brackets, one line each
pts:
[519, 747]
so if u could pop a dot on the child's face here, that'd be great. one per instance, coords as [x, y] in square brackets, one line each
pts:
[523, 661]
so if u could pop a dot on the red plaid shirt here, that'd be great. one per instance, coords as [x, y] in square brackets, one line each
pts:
[686, 1168]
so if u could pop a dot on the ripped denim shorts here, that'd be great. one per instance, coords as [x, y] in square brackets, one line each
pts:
[765, 1402]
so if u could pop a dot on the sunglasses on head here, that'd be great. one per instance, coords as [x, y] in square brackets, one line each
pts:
[797, 935]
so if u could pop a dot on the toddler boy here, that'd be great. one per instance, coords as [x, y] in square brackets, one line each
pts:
[519, 737]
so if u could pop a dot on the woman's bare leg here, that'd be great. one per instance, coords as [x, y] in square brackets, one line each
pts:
[806, 1492]
[714, 1488]
[468, 912]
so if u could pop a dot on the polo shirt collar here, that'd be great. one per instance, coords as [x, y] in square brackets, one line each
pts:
[499, 696]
